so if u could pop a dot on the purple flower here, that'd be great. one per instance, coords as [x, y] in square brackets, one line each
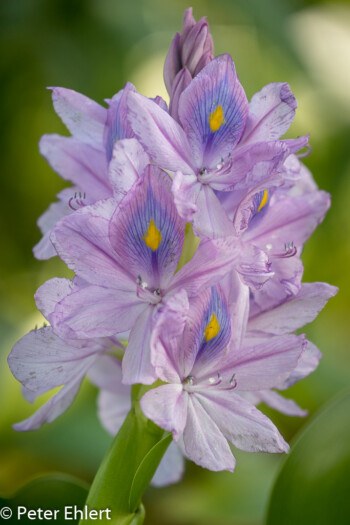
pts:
[290, 314]
[126, 257]
[206, 368]
[86, 158]
[189, 52]
[42, 361]
[279, 227]
[222, 144]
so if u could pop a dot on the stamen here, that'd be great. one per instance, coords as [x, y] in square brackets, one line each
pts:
[306, 153]
[77, 202]
[289, 251]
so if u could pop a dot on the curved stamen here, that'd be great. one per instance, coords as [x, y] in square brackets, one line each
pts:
[77, 202]
[290, 251]
[306, 153]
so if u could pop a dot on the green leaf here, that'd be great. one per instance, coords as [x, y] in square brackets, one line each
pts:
[146, 471]
[53, 492]
[314, 483]
[128, 467]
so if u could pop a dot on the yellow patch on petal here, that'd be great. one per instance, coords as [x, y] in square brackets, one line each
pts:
[216, 119]
[263, 201]
[212, 329]
[152, 237]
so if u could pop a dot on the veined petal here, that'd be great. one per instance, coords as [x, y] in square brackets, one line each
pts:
[307, 363]
[213, 259]
[161, 136]
[203, 441]
[213, 111]
[208, 330]
[146, 231]
[95, 311]
[42, 361]
[210, 218]
[82, 242]
[117, 124]
[289, 219]
[127, 164]
[137, 367]
[166, 405]
[52, 292]
[252, 208]
[285, 282]
[258, 366]
[241, 423]
[83, 117]
[254, 266]
[79, 163]
[186, 189]
[168, 353]
[271, 112]
[295, 312]
[237, 296]
[251, 165]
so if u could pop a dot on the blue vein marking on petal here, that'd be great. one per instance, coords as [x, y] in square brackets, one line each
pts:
[218, 306]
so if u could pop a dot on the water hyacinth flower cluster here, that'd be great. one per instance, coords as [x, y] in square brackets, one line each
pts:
[212, 335]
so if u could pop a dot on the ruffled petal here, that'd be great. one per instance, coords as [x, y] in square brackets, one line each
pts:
[186, 189]
[271, 112]
[83, 117]
[307, 363]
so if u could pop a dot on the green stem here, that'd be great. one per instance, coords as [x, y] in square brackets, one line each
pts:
[128, 468]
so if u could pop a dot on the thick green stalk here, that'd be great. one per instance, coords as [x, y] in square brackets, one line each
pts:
[128, 468]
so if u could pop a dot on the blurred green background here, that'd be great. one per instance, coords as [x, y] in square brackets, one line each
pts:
[94, 47]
